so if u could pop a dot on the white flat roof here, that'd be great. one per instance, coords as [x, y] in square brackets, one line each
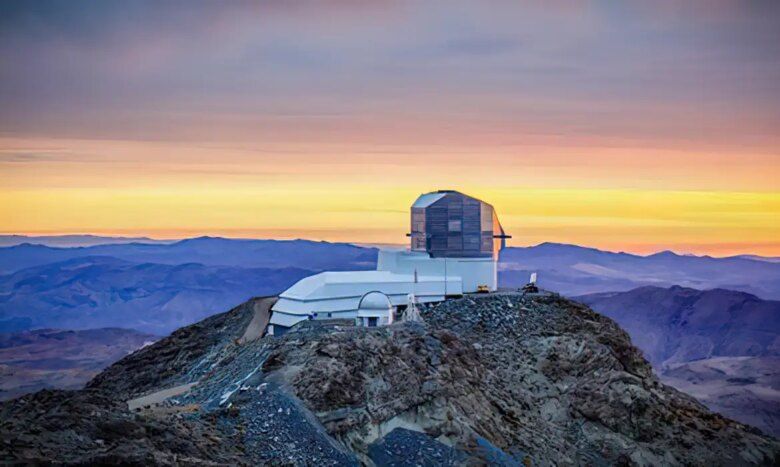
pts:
[357, 277]
[308, 285]
[355, 281]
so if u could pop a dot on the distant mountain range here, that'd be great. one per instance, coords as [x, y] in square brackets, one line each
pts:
[208, 251]
[157, 287]
[770, 259]
[721, 346]
[574, 270]
[568, 269]
[51, 358]
[73, 240]
[99, 291]
[678, 324]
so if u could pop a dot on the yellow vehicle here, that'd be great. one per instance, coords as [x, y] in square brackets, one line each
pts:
[483, 289]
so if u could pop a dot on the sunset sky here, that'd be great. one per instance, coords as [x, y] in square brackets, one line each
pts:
[636, 126]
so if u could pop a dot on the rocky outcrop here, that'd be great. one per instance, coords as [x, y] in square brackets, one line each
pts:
[183, 357]
[500, 379]
[406, 447]
[90, 428]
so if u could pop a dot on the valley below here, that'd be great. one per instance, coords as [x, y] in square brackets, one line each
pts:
[743, 388]
[50, 358]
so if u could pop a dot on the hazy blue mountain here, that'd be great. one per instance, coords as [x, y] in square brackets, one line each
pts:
[205, 250]
[72, 240]
[574, 270]
[154, 287]
[678, 324]
[95, 292]
[770, 259]
[163, 286]
[720, 346]
[568, 269]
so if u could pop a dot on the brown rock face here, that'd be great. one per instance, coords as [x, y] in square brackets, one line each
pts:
[543, 376]
[89, 428]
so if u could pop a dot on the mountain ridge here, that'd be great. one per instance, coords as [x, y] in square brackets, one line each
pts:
[568, 269]
[717, 314]
[211, 251]
[536, 380]
[72, 240]
[100, 291]
[573, 270]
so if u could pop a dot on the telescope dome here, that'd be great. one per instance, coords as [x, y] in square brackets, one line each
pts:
[449, 224]
[374, 301]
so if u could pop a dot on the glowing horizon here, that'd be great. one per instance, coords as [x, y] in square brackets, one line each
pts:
[631, 127]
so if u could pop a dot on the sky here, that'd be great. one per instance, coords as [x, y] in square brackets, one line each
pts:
[633, 126]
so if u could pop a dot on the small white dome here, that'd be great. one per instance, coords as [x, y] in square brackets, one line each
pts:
[375, 301]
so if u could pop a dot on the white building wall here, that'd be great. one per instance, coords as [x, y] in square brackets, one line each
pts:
[472, 271]
[336, 295]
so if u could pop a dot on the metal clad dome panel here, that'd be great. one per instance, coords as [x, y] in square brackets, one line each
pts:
[449, 224]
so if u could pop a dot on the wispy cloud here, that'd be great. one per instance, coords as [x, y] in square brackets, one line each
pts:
[654, 73]
[34, 156]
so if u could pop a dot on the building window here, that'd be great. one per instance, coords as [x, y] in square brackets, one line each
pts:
[454, 226]
[372, 321]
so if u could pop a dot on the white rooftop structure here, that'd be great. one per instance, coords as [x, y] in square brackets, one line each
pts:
[455, 241]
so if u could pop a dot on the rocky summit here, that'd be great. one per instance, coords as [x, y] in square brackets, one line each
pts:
[500, 379]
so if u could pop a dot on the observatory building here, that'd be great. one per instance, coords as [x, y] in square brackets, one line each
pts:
[454, 244]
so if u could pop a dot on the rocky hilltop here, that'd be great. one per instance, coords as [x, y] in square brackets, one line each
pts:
[500, 379]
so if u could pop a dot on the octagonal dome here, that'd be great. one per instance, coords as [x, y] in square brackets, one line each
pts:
[449, 224]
